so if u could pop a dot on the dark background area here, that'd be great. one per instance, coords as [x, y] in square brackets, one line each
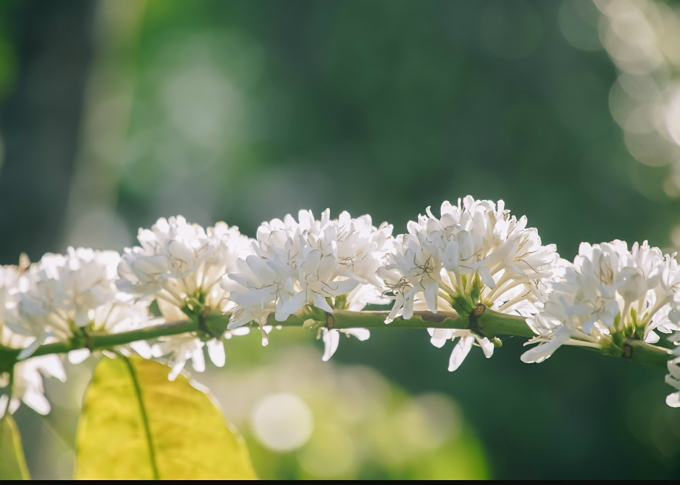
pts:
[113, 114]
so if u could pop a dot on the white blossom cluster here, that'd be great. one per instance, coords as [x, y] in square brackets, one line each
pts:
[474, 247]
[473, 253]
[607, 291]
[309, 262]
[609, 294]
[180, 265]
[27, 383]
[64, 293]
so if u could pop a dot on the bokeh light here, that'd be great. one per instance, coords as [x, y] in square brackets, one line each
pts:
[282, 422]
[340, 421]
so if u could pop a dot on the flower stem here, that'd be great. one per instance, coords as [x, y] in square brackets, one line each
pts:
[491, 323]
[646, 354]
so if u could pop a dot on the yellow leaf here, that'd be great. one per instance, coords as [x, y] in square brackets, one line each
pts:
[136, 424]
[12, 462]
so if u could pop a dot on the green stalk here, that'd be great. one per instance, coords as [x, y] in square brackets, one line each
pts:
[96, 341]
[646, 354]
[482, 320]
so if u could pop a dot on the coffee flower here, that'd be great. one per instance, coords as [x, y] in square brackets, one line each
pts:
[27, 383]
[331, 339]
[62, 296]
[180, 265]
[607, 295]
[9, 285]
[473, 253]
[308, 266]
[27, 380]
[673, 379]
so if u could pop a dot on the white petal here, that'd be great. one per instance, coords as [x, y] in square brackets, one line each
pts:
[488, 280]
[338, 288]
[431, 296]
[77, 356]
[360, 333]
[176, 369]
[540, 352]
[321, 303]
[16, 328]
[673, 400]
[51, 365]
[197, 359]
[37, 401]
[487, 347]
[233, 324]
[398, 305]
[439, 336]
[294, 304]
[466, 244]
[652, 338]
[81, 319]
[240, 331]
[674, 369]
[331, 339]
[459, 353]
[14, 405]
[265, 335]
[142, 348]
[408, 308]
[216, 352]
[451, 256]
[28, 351]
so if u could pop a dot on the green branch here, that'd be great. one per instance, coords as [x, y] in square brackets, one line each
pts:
[482, 320]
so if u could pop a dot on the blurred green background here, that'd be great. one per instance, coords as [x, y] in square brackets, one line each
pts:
[116, 112]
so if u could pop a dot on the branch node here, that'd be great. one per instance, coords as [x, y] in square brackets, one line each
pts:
[473, 324]
[627, 351]
[479, 309]
[88, 341]
[330, 321]
[203, 325]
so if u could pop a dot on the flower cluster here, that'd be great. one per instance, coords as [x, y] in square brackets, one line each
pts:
[180, 265]
[26, 377]
[61, 295]
[62, 298]
[607, 295]
[474, 253]
[308, 263]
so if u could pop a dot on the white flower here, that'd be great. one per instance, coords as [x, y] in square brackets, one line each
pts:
[27, 384]
[322, 264]
[673, 379]
[440, 336]
[607, 295]
[62, 295]
[9, 283]
[180, 265]
[331, 338]
[474, 253]
[179, 262]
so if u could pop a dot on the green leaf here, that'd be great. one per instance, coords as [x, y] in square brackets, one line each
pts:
[12, 462]
[136, 424]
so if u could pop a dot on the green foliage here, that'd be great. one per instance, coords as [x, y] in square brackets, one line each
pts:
[136, 424]
[12, 462]
[460, 459]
